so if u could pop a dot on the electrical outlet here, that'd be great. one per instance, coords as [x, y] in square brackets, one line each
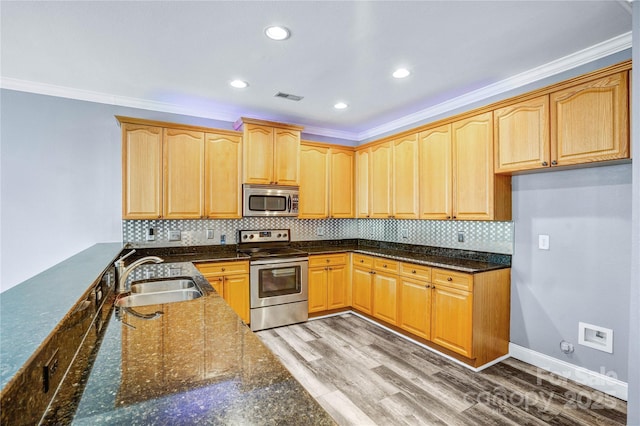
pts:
[543, 242]
[151, 234]
[404, 232]
[174, 235]
[223, 239]
[211, 234]
[460, 237]
[48, 371]
[320, 231]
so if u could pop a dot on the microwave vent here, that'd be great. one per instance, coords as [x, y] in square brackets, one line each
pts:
[289, 96]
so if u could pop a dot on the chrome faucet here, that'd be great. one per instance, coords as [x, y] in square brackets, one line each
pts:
[123, 272]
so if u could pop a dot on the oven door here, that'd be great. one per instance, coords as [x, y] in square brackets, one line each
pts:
[278, 281]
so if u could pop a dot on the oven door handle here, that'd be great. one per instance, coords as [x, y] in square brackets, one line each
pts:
[272, 261]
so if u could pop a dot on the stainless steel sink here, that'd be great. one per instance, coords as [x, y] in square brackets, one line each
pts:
[163, 285]
[158, 298]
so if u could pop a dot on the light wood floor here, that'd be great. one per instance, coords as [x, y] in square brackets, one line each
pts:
[364, 375]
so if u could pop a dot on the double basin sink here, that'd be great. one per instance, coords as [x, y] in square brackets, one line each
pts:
[157, 292]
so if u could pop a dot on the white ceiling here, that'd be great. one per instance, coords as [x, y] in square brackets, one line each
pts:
[180, 56]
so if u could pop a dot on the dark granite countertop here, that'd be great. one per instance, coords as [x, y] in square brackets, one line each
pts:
[198, 363]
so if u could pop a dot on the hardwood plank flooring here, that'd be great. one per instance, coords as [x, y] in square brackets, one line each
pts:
[364, 375]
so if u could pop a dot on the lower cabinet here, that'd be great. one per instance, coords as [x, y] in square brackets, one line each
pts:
[452, 319]
[385, 290]
[362, 283]
[414, 310]
[231, 281]
[328, 282]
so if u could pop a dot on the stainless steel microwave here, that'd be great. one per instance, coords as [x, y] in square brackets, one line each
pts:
[269, 200]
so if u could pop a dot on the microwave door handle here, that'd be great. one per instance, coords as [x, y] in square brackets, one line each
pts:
[289, 203]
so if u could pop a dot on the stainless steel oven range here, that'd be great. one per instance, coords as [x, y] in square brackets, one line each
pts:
[278, 283]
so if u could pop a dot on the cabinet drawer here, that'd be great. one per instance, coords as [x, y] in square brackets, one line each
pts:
[327, 260]
[412, 270]
[453, 279]
[223, 268]
[385, 265]
[360, 260]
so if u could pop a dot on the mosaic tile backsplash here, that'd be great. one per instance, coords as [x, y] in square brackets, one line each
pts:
[493, 237]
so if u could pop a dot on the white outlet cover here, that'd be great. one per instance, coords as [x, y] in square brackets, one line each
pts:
[595, 337]
[543, 242]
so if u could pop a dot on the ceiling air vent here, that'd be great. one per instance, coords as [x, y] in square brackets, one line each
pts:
[289, 96]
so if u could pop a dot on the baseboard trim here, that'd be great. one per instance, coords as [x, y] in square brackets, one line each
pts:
[415, 342]
[598, 381]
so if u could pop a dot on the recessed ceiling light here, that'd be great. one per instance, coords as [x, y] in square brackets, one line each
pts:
[401, 73]
[239, 84]
[277, 33]
[340, 105]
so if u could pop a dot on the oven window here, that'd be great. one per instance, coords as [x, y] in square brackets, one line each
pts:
[279, 281]
[267, 203]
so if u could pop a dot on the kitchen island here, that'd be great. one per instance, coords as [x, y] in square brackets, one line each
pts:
[197, 363]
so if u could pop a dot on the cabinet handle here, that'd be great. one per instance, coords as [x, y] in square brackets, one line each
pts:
[448, 217]
[454, 217]
[222, 269]
[554, 163]
[330, 268]
[427, 286]
[449, 279]
[413, 272]
[361, 260]
[328, 260]
[544, 163]
[384, 266]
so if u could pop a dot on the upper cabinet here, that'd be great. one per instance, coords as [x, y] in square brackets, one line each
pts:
[380, 180]
[141, 171]
[223, 162]
[179, 172]
[183, 182]
[436, 174]
[271, 152]
[577, 124]
[326, 182]
[521, 133]
[590, 121]
[405, 177]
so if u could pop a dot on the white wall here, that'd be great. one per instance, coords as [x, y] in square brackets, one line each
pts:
[585, 274]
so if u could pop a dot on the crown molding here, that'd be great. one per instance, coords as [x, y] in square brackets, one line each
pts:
[581, 57]
[566, 63]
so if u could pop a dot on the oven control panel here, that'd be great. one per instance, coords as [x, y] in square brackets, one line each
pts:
[265, 236]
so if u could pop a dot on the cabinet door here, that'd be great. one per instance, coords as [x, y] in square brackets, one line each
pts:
[405, 177]
[590, 121]
[287, 157]
[314, 169]
[218, 284]
[436, 173]
[452, 317]
[341, 184]
[236, 293]
[183, 174]
[363, 187]
[415, 307]
[361, 290]
[337, 287]
[385, 292]
[141, 172]
[473, 168]
[258, 154]
[318, 289]
[223, 162]
[380, 180]
[522, 136]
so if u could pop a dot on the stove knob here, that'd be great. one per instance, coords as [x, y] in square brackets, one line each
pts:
[284, 235]
[251, 236]
[279, 235]
[244, 237]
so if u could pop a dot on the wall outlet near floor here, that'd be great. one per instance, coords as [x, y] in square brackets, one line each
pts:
[174, 235]
[211, 234]
[595, 337]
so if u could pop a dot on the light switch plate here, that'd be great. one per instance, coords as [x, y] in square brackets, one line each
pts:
[174, 235]
[211, 234]
[543, 242]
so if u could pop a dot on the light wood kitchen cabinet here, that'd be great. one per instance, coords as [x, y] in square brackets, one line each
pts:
[271, 152]
[363, 187]
[590, 121]
[453, 319]
[222, 178]
[405, 177]
[414, 306]
[183, 181]
[436, 173]
[381, 181]
[362, 283]
[341, 183]
[521, 136]
[231, 282]
[478, 194]
[328, 282]
[141, 171]
[314, 182]
[385, 290]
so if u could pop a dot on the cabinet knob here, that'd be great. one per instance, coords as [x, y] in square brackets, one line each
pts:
[454, 217]
[384, 266]
[330, 268]
[328, 261]
[413, 272]
[222, 269]
[427, 286]
[544, 163]
[361, 260]
[554, 163]
[449, 279]
[448, 217]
